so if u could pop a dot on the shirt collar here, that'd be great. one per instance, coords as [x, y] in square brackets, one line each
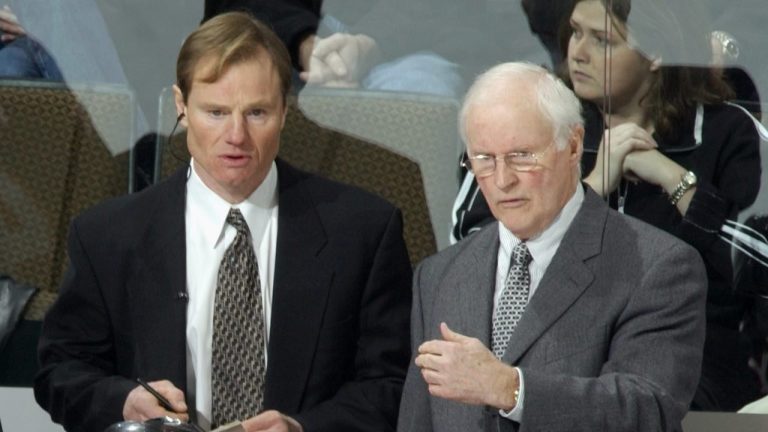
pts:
[544, 245]
[211, 210]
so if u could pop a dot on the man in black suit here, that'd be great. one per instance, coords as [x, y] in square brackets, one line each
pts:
[140, 298]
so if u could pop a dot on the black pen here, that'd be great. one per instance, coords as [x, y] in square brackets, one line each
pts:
[160, 398]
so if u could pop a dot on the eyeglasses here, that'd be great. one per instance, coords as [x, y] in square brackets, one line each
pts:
[484, 165]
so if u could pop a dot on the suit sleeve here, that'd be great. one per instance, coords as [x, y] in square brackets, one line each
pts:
[77, 383]
[734, 184]
[653, 364]
[370, 400]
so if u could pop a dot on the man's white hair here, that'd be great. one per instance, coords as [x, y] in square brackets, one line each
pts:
[555, 100]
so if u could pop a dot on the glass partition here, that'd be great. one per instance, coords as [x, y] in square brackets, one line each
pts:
[671, 92]
[673, 95]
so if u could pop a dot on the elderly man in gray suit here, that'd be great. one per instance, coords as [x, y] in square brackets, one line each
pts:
[565, 315]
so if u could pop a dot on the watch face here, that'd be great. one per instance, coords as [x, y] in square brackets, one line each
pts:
[690, 178]
[731, 49]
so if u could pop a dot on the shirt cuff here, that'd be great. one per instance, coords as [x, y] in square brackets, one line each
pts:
[516, 413]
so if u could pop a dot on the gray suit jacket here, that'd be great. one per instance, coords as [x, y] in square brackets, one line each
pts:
[610, 341]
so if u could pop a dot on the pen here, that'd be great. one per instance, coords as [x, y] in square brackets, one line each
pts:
[160, 398]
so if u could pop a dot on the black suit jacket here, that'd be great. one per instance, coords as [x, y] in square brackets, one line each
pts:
[338, 349]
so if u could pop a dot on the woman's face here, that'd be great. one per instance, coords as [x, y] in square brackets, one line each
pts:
[601, 62]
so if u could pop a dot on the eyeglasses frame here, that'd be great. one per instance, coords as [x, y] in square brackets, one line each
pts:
[466, 161]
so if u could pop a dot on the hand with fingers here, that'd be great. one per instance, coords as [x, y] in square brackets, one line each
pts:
[463, 369]
[271, 421]
[141, 405]
[616, 144]
[10, 28]
[340, 60]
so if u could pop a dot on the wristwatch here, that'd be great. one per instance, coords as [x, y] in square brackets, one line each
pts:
[687, 181]
[728, 43]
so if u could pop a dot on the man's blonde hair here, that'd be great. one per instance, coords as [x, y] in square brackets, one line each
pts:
[229, 39]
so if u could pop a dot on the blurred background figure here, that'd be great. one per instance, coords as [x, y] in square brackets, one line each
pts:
[426, 46]
[20, 55]
[66, 41]
[60, 41]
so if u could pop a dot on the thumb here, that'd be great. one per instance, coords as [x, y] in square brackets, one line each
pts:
[450, 335]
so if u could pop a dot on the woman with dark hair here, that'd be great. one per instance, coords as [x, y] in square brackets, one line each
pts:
[663, 145]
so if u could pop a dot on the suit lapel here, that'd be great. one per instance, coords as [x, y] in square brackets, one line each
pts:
[464, 300]
[300, 276]
[566, 277]
[158, 286]
[465, 293]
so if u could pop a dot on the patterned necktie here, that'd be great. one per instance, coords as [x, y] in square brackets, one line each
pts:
[237, 375]
[513, 300]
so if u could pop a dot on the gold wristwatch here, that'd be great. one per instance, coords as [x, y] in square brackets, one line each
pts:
[686, 182]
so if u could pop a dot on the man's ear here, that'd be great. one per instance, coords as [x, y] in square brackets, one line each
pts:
[181, 107]
[576, 143]
[285, 114]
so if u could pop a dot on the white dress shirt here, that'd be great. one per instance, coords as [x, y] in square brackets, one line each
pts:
[542, 248]
[207, 237]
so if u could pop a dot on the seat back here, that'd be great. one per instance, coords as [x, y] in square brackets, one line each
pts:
[420, 127]
[54, 164]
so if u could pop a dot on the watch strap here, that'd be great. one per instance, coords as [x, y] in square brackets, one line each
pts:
[681, 188]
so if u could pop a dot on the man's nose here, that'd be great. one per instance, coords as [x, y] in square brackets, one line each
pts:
[236, 130]
[504, 176]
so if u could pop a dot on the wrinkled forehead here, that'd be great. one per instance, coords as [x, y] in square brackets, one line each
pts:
[499, 131]
[503, 117]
